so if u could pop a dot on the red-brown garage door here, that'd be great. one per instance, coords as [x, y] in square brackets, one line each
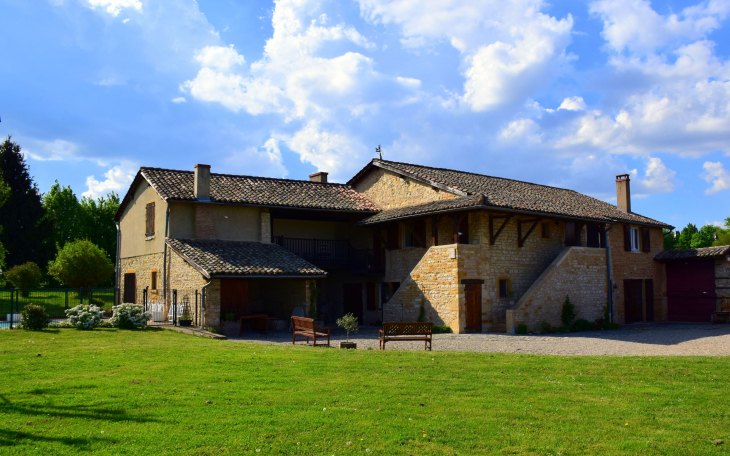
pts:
[690, 290]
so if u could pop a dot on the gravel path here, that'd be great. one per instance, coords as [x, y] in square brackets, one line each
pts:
[640, 340]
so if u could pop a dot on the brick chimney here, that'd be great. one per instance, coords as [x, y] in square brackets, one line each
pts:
[202, 182]
[320, 176]
[623, 192]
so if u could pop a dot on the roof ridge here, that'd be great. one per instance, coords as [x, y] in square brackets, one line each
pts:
[331, 184]
[478, 174]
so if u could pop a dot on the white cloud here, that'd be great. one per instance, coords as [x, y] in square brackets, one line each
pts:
[117, 179]
[573, 104]
[221, 58]
[57, 149]
[657, 177]
[114, 7]
[327, 151]
[716, 173]
[179, 100]
[265, 161]
[409, 82]
[525, 129]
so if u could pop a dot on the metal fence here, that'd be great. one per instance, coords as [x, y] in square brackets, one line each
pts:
[54, 300]
[181, 308]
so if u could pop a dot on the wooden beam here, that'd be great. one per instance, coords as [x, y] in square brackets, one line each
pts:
[435, 230]
[492, 235]
[521, 240]
[457, 221]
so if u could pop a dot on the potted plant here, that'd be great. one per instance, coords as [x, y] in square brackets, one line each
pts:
[348, 322]
[185, 319]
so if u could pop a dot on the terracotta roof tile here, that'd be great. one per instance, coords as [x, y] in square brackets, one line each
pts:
[425, 208]
[213, 257]
[686, 254]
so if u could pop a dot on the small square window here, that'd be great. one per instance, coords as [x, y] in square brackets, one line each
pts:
[545, 230]
[504, 289]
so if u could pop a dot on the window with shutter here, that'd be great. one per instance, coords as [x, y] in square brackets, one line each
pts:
[150, 225]
[645, 240]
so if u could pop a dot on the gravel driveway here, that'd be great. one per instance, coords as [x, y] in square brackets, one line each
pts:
[635, 340]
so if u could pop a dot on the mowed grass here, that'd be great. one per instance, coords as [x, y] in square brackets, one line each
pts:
[162, 392]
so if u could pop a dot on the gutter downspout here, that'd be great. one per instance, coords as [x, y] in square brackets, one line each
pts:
[202, 303]
[608, 273]
[164, 256]
[116, 265]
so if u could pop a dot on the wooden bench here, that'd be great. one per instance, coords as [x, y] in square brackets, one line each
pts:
[305, 327]
[406, 331]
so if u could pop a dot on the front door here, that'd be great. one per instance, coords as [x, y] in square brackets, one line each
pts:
[234, 298]
[352, 300]
[130, 287]
[473, 298]
[691, 290]
[633, 300]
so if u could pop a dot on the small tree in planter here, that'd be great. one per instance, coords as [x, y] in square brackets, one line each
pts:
[348, 322]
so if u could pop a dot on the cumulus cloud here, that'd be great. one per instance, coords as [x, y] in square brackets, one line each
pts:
[264, 161]
[179, 100]
[117, 179]
[221, 58]
[525, 129]
[58, 149]
[326, 150]
[657, 177]
[716, 174]
[114, 7]
[573, 104]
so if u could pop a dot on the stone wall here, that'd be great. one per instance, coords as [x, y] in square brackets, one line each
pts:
[637, 265]
[578, 272]
[722, 274]
[389, 190]
[142, 266]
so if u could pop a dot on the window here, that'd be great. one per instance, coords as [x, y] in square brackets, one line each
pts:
[150, 222]
[504, 289]
[635, 246]
[409, 239]
[153, 280]
[545, 230]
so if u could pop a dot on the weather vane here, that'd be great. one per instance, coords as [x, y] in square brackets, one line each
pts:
[379, 152]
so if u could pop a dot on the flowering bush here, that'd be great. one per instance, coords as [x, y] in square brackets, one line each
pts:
[84, 316]
[130, 316]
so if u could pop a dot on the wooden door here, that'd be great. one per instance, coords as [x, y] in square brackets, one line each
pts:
[691, 290]
[633, 300]
[352, 300]
[130, 287]
[473, 299]
[234, 297]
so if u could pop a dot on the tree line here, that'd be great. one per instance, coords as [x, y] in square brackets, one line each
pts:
[693, 238]
[53, 239]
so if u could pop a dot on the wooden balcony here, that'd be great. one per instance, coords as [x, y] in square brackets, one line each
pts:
[335, 254]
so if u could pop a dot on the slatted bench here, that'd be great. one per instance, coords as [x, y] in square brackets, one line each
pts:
[305, 327]
[406, 331]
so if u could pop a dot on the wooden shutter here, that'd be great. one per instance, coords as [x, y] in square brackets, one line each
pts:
[372, 296]
[645, 239]
[649, 299]
[150, 225]
[393, 241]
[627, 238]
[569, 234]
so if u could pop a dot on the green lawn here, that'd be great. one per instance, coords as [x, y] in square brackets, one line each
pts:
[54, 301]
[162, 392]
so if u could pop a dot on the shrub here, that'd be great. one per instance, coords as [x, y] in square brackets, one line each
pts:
[130, 316]
[33, 318]
[214, 329]
[348, 322]
[24, 276]
[610, 326]
[421, 314]
[521, 329]
[81, 264]
[581, 325]
[568, 314]
[563, 329]
[547, 328]
[441, 329]
[84, 316]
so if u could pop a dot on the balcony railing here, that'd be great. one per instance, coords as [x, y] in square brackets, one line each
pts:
[335, 254]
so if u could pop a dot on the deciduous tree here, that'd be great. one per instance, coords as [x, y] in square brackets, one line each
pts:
[81, 264]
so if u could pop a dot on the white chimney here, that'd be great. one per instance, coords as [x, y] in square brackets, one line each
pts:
[202, 182]
[623, 192]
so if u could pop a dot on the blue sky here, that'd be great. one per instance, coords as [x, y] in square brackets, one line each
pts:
[564, 93]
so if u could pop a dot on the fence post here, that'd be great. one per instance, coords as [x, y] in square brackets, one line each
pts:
[196, 307]
[81, 295]
[12, 291]
[91, 295]
[144, 298]
[174, 307]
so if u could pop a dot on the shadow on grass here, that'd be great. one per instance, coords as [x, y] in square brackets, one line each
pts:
[11, 438]
[71, 411]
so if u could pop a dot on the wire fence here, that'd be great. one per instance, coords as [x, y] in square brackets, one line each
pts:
[54, 300]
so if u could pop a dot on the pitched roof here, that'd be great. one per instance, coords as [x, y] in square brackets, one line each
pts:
[459, 202]
[214, 258]
[687, 254]
[510, 194]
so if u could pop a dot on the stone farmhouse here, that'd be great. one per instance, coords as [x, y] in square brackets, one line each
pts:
[397, 242]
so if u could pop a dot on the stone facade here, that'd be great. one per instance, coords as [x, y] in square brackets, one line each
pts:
[142, 266]
[389, 190]
[544, 300]
[637, 265]
[722, 282]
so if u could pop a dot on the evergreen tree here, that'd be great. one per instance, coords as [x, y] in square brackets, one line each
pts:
[22, 217]
[4, 195]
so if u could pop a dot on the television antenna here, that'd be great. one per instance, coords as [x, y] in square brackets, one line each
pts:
[379, 152]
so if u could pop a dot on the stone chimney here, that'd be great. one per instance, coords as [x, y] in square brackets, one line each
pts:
[202, 182]
[623, 192]
[318, 177]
